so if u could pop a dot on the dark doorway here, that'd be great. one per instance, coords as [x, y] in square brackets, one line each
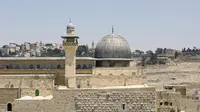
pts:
[37, 92]
[123, 106]
[78, 86]
[9, 107]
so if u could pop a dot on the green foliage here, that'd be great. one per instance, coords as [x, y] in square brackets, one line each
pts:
[82, 50]
[176, 55]
[159, 51]
[53, 53]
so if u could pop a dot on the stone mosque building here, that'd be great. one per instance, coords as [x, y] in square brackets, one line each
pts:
[110, 82]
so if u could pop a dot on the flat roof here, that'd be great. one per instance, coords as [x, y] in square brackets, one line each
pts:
[47, 74]
[44, 58]
[131, 86]
[61, 58]
[125, 59]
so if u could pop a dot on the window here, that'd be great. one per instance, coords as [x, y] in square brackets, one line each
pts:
[11, 86]
[161, 103]
[17, 67]
[110, 74]
[30, 66]
[107, 97]
[122, 74]
[37, 92]
[170, 103]
[88, 83]
[10, 66]
[58, 67]
[123, 106]
[6, 66]
[78, 66]
[166, 103]
[90, 65]
[84, 66]
[38, 66]
[9, 107]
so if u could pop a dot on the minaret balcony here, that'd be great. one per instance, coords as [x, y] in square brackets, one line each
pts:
[70, 43]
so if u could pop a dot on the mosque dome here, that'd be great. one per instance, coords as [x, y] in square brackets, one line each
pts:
[112, 46]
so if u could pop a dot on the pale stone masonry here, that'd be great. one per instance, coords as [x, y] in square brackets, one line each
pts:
[113, 99]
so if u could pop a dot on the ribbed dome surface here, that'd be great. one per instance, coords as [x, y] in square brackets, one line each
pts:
[112, 46]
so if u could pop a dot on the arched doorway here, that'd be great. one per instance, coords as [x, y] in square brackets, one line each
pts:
[37, 93]
[9, 107]
[78, 86]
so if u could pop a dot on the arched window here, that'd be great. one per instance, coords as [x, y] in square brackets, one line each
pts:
[90, 66]
[30, 66]
[78, 66]
[110, 74]
[58, 66]
[99, 74]
[11, 86]
[6, 66]
[7, 86]
[84, 66]
[10, 66]
[88, 83]
[78, 86]
[9, 107]
[17, 66]
[38, 66]
[122, 74]
[37, 93]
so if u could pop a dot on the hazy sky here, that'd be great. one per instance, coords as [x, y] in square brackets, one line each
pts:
[145, 24]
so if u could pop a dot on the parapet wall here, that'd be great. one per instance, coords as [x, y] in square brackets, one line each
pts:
[94, 100]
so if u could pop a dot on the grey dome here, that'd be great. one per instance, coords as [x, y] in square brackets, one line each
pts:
[112, 46]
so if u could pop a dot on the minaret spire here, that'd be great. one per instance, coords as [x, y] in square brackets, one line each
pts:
[70, 21]
[112, 29]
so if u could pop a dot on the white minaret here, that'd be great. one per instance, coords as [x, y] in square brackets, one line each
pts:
[70, 44]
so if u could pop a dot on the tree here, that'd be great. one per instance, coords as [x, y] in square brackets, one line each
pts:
[149, 52]
[1, 53]
[143, 61]
[159, 51]
[50, 52]
[183, 50]
[164, 51]
[176, 55]
[188, 49]
[82, 50]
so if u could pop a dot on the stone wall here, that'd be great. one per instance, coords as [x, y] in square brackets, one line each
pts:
[169, 101]
[190, 80]
[28, 84]
[112, 79]
[117, 71]
[8, 95]
[93, 100]
[187, 74]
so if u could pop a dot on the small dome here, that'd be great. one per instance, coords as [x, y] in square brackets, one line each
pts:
[70, 25]
[112, 46]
